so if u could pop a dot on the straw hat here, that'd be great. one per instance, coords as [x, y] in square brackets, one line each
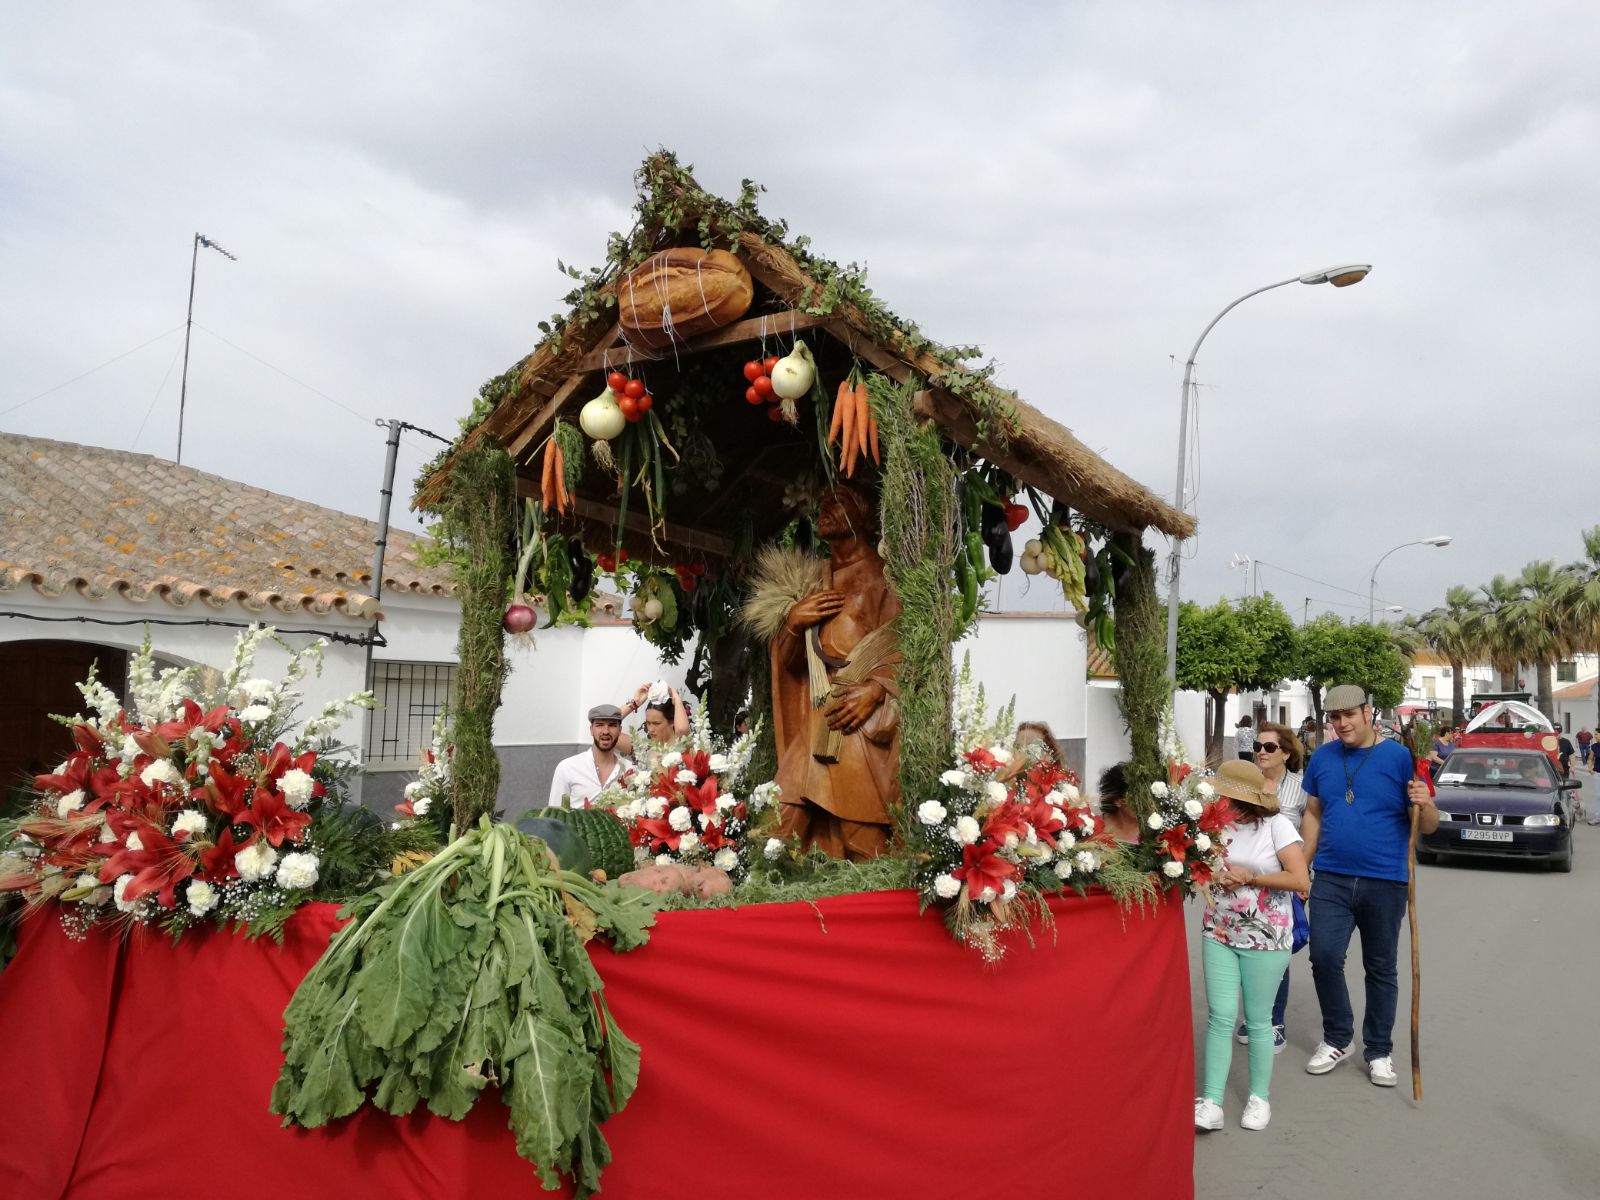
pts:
[1240, 780]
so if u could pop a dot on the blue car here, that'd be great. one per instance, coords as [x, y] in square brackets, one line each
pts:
[1502, 802]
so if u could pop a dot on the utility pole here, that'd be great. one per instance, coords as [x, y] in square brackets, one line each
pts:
[183, 388]
[381, 542]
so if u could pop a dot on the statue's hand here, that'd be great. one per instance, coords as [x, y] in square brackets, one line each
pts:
[814, 610]
[849, 711]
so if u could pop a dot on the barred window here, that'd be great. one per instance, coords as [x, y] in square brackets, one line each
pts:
[410, 695]
[1567, 672]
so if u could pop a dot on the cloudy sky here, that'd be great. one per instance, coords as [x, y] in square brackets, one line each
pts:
[1076, 188]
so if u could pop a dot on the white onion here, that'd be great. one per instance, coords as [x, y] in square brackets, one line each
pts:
[601, 418]
[793, 374]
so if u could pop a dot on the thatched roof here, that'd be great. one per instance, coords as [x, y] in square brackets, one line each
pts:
[796, 293]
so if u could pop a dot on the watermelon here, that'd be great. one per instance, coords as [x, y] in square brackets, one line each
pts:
[603, 835]
[561, 837]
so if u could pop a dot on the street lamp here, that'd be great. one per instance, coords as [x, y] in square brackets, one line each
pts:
[1442, 539]
[1340, 277]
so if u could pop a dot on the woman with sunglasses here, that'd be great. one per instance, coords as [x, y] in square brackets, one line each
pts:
[1281, 757]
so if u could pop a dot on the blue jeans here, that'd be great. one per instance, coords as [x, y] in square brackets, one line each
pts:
[1341, 905]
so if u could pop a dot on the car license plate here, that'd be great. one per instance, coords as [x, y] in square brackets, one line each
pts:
[1486, 835]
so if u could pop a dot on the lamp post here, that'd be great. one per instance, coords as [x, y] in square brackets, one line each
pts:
[1338, 276]
[1442, 539]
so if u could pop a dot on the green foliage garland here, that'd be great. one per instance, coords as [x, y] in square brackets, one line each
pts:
[1142, 672]
[480, 518]
[921, 527]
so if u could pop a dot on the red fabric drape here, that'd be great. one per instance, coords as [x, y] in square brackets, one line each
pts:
[847, 1049]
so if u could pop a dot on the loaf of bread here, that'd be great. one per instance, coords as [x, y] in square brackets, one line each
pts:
[681, 293]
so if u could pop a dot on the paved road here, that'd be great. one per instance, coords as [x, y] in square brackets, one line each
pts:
[1510, 1055]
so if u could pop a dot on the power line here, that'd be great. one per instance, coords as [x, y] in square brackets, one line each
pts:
[349, 639]
[151, 407]
[1319, 582]
[90, 371]
[362, 417]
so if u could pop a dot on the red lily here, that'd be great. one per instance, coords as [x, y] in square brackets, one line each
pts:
[216, 862]
[981, 760]
[280, 759]
[1175, 842]
[1199, 873]
[270, 813]
[75, 775]
[178, 730]
[984, 871]
[702, 797]
[1177, 772]
[1041, 815]
[88, 740]
[698, 761]
[653, 833]
[159, 867]
[1216, 816]
[225, 791]
[1006, 818]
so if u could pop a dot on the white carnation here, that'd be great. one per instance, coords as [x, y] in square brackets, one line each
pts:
[90, 885]
[719, 763]
[946, 886]
[671, 759]
[412, 788]
[1172, 869]
[996, 791]
[725, 802]
[255, 861]
[1158, 790]
[1057, 815]
[106, 835]
[421, 805]
[1202, 843]
[190, 820]
[664, 860]
[1086, 821]
[254, 714]
[710, 820]
[1001, 755]
[953, 778]
[773, 850]
[681, 819]
[725, 859]
[1069, 793]
[686, 776]
[966, 831]
[1193, 808]
[1008, 890]
[202, 897]
[655, 808]
[1065, 840]
[118, 889]
[134, 842]
[296, 787]
[1085, 861]
[163, 770]
[71, 802]
[297, 871]
[1155, 821]
[931, 812]
[130, 749]
[1204, 790]
[688, 842]
[1063, 868]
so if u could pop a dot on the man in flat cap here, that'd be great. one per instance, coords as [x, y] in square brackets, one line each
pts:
[584, 776]
[1357, 829]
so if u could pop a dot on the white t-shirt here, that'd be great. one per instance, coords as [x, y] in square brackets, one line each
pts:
[578, 778]
[1255, 918]
[1292, 797]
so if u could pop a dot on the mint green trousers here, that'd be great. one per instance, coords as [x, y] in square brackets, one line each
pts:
[1228, 971]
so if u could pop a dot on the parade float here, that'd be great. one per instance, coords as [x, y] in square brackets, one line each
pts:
[868, 948]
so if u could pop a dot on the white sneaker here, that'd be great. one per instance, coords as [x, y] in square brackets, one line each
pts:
[1257, 1113]
[1207, 1114]
[1325, 1058]
[1381, 1070]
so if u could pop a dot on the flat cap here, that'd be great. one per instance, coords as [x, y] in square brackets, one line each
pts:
[1345, 695]
[605, 712]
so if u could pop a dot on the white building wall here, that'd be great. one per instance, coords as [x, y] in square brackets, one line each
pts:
[1038, 658]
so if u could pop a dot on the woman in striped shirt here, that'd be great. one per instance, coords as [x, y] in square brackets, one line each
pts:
[1282, 760]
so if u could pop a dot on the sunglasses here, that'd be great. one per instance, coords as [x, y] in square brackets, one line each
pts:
[1265, 747]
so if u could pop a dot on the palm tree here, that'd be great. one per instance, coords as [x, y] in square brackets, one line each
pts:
[1492, 630]
[1580, 597]
[1543, 626]
[1448, 631]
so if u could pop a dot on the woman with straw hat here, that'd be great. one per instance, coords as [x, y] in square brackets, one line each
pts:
[1246, 936]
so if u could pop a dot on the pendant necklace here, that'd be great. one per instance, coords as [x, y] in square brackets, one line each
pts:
[1349, 776]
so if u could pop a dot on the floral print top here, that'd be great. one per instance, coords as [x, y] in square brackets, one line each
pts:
[1254, 918]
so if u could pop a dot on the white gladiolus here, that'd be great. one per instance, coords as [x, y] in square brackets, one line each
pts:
[1172, 869]
[718, 763]
[257, 690]
[202, 897]
[190, 820]
[71, 802]
[946, 887]
[1193, 808]
[255, 861]
[1158, 790]
[773, 850]
[966, 831]
[412, 788]
[931, 812]
[297, 787]
[421, 805]
[725, 859]
[680, 819]
[130, 749]
[1155, 821]
[297, 871]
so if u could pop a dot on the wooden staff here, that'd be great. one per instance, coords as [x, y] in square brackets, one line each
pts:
[1419, 771]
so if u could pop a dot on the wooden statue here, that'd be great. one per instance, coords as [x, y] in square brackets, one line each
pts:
[835, 701]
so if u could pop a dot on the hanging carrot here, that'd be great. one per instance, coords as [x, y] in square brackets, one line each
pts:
[547, 491]
[863, 416]
[563, 501]
[841, 399]
[847, 429]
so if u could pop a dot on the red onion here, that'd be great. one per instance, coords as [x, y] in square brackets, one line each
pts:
[519, 618]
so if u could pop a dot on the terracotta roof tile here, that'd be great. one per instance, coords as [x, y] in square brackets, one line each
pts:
[107, 522]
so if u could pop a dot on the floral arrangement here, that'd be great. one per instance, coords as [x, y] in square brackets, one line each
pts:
[193, 803]
[428, 795]
[690, 805]
[1183, 844]
[1003, 832]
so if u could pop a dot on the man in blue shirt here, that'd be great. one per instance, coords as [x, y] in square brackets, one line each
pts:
[1357, 830]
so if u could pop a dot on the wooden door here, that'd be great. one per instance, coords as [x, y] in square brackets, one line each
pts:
[37, 679]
